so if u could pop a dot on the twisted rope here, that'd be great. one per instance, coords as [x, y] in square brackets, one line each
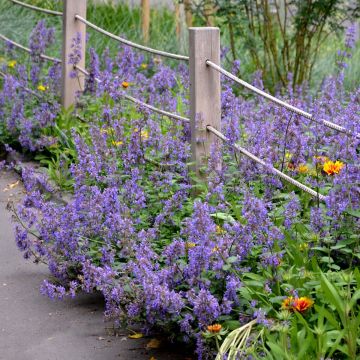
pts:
[280, 102]
[32, 7]
[132, 44]
[32, 92]
[268, 167]
[43, 56]
[139, 102]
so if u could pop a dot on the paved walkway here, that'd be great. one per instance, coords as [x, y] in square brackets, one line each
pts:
[32, 327]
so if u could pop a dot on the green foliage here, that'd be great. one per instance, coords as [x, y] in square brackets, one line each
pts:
[119, 19]
[279, 37]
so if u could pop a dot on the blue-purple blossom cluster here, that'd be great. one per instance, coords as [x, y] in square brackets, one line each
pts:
[29, 94]
[165, 253]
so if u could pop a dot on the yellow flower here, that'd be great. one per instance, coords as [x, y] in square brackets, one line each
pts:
[110, 131]
[288, 155]
[144, 134]
[144, 66]
[303, 247]
[125, 84]
[215, 249]
[214, 328]
[117, 143]
[42, 87]
[302, 169]
[332, 168]
[219, 230]
[189, 245]
[12, 63]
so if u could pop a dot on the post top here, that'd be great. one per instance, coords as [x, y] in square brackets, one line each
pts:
[203, 28]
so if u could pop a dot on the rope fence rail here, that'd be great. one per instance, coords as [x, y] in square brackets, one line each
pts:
[32, 92]
[225, 139]
[139, 102]
[130, 43]
[280, 102]
[205, 87]
[267, 166]
[36, 8]
[43, 56]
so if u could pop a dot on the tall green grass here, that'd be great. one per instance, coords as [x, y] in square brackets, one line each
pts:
[17, 23]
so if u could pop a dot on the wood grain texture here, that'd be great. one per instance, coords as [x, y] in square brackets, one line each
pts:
[145, 20]
[71, 26]
[205, 93]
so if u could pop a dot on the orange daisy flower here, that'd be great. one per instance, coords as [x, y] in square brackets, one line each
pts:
[332, 168]
[214, 328]
[303, 303]
[297, 304]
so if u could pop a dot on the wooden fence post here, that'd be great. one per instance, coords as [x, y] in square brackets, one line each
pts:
[145, 19]
[188, 13]
[71, 27]
[205, 92]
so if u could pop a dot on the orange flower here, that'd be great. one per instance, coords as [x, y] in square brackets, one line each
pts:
[332, 168]
[287, 304]
[125, 84]
[214, 328]
[291, 166]
[297, 304]
[303, 303]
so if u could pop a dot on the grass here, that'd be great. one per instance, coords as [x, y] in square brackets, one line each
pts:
[17, 23]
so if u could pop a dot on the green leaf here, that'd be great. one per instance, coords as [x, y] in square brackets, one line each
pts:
[355, 213]
[354, 299]
[333, 296]
[223, 216]
[232, 259]
[277, 351]
[328, 315]
[226, 267]
[232, 324]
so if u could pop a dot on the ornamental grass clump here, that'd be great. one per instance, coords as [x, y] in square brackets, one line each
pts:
[206, 263]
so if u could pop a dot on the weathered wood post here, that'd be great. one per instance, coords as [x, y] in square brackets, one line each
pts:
[205, 92]
[188, 13]
[145, 19]
[177, 19]
[71, 27]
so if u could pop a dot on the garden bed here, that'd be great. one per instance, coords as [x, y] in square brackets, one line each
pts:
[193, 259]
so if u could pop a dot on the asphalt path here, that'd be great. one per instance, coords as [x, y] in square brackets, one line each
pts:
[33, 327]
